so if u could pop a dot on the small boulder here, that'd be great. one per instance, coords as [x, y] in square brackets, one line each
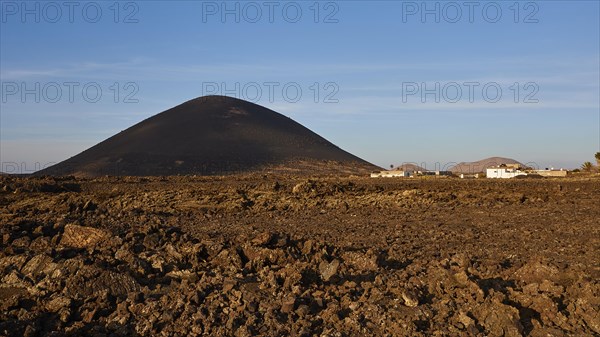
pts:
[262, 239]
[328, 269]
[58, 303]
[410, 298]
[76, 236]
[287, 305]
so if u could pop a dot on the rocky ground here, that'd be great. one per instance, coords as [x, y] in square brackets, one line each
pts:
[278, 255]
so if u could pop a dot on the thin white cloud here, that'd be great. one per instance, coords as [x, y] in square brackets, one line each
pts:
[148, 69]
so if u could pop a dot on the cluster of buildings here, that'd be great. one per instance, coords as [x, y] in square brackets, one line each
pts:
[408, 173]
[503, 171]
[506, 171]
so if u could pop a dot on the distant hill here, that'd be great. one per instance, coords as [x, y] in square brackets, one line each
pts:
[481, 165]
[212, 135]
[409, 167]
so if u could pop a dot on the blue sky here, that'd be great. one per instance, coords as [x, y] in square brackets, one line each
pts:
[370, 60]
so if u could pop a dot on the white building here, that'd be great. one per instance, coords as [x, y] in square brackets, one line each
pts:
[504, 172]
[433, 173]
[392, 174]
[408, 174]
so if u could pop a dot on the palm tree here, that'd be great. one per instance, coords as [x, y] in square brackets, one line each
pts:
[598, 158]
[587, 166]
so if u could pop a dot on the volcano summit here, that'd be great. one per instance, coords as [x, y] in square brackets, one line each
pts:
[212, 135]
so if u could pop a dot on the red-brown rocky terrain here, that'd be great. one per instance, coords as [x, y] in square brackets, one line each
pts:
[281, 255]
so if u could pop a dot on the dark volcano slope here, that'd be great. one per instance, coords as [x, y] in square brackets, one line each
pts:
[210, 135]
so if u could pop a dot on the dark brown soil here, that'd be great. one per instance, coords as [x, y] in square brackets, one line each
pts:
[281, 255]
